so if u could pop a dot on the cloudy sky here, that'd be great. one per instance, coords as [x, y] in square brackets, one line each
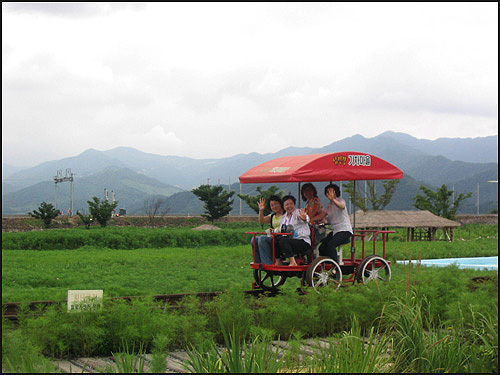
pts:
[215, 80]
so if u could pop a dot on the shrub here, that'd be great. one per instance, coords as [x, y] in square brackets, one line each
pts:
[101, 211]
[46, 212]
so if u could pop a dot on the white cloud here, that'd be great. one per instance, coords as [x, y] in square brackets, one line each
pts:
[156, 141]
[210, 80]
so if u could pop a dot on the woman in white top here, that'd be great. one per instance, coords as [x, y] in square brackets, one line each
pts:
[264, 244]
[338, 217]
[293, 221]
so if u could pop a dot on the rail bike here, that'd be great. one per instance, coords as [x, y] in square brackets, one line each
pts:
[316, 271]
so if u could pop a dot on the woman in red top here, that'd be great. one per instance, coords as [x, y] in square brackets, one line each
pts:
[314, 209]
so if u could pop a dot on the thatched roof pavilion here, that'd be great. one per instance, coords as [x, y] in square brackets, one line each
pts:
[420, 224]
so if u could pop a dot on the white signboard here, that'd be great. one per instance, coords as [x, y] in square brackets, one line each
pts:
[84, 300]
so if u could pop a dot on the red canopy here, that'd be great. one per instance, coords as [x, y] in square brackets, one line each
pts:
[338, 166]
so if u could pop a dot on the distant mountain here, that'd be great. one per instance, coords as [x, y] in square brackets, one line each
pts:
[87, 163]
[8, 184]
[8, 169]
[130, 189]
[423, 162]
[434, 170]
[473, 150]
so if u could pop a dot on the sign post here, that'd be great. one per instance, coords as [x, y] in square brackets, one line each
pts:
[84, 300]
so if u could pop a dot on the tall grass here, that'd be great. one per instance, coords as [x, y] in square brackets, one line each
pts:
[483, 333]
[232, 334]
[236, 356]
[20, 354]
[353, 352]
[422, 346]
[128, 361]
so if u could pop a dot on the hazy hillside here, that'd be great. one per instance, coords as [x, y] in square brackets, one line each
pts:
[146, 174]
[8, 169]
[130, 189]
[87, 163]
[474, 150]
[436, 170]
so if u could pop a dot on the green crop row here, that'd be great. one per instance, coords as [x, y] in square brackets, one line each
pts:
[135, 238]
[459, 316]
[122, 238]
[29, 275]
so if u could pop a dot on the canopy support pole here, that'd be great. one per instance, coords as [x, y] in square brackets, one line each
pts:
[353, 247]
[354, 206]
[298, 195]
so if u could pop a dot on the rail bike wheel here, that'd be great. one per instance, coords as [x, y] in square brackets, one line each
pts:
[373, 268]
[322, 272]
[268, 280]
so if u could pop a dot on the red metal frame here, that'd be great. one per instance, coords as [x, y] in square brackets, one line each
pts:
[375, 233]
[272, 267]
[303, 266]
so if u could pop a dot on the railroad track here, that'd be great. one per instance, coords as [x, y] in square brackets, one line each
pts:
[10, 310]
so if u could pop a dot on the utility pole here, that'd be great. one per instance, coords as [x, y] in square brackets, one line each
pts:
[477, 204]
[229, 190]
[366, 194]
[58, 179]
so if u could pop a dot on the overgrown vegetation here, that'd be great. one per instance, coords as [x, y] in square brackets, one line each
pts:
[433, 327]
[425, 320]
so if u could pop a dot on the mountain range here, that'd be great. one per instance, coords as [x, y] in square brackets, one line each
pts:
[460, 163]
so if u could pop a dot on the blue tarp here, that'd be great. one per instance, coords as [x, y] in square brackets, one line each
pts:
[479, 263]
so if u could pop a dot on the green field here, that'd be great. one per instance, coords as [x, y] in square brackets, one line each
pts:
[47, 275]
[109, 259]
[430, 319]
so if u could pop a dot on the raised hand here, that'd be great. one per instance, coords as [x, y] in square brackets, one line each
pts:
[330, 194]
[302, 213]
[262, 204]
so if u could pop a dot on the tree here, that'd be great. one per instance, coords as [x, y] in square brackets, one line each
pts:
[86, 219]
[155, 206]
[47, 212]
[440, 202]
[101, 210]
[371, 198]
[252, 200]
[217, 202]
